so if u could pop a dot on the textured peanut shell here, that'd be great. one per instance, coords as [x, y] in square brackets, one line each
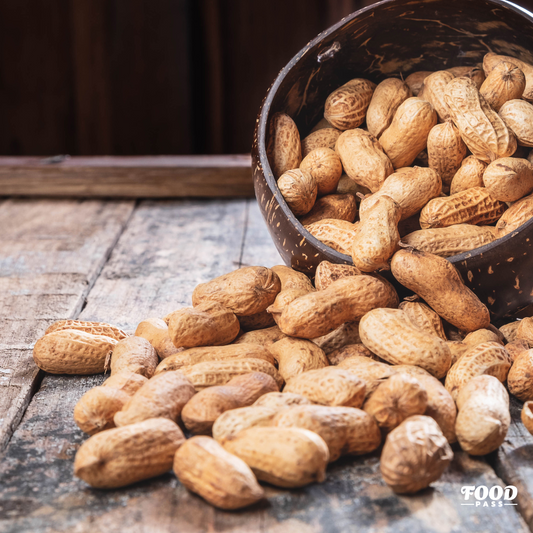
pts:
[458, 349]
[207, 324]
[424, 318]
[482, 335]
[336, 206]
[292, 279]
[281, 400]
[491, 60]
[519, 213]
[70, 351]
[245, 291]
[505, 82]
[373, 373]
[122, 456]
[337, 234]
[451, 240]
[387, 97]
[472, 206]
[96, 328]
[295, 356]
[134, 354]
[407, 135]
[520, 377]
[377, 236]
[283, 299]
[524, 330]
[518, 116]
[299, 188]
[434, 86]
[415, 454]
[446, 151]
[325, 166]
[415, 80]
[261, 337]
[283, 149]
[256, 321]
[411, 188]
[230, 423]
[222, 479]
[155, 331]
[482, 130]
[489, 358]
[469, 174]
[348, 186]
[509, 330]
[326, 273]
[390, 334]
[363, 158]
[360, 350]
[345, 300]
[527, 416]
[284, 457]
[422, 272]
[508, 179]
[483, 416]
[162, 396]
[128, 382]
[95, 410]
[329, 386]
[322, 138]
[346, 107]
[345, 430]
[347, 333]
[516, 347]
[201, 411]
[476, 74]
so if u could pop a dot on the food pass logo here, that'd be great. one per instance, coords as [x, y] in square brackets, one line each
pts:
[482, 496]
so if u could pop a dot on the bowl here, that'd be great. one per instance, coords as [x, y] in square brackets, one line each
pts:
[387, 39]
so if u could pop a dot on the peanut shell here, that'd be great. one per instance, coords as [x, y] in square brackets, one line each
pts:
[505, 82]
[325, 166]
[469, 174]
[284, 150]
[336, 206]
[299, 188]
[508, 179]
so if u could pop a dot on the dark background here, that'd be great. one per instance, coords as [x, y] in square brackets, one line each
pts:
[128, 77]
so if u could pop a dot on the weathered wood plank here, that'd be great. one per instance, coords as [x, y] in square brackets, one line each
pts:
[128, 177]
[50, 256]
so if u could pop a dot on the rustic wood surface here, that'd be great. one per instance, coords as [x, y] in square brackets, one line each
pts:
[163, 250]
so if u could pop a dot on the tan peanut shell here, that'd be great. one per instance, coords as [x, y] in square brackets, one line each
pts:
[321, 124]
[377, 236]
[95, 410]
[260, 320]
[281, 400]
[325, 166]
[261, 337]
[505, 82]
[363, 158]
[411, 188]
[336, 206]
[347, 333]
[415, 80]
[284, 150]
[222, 479]
[346, 107]
[322, 138]
[480, 336]
[292, 279]
[299, 188]
[515, 348]
[284, 457]
[134, 354]
[434, 86]
[283, 299]
[519, 213]
[202, 409]
[454, 301]
[230, 423]
[337, 234]
[387, 97]
[525, 330]
[450, 240]
[476, 74]
[469, 174]
[407, 135]
[446, 151]
[509, 330]
[518, 116]
[347, 299]
[207, 324]
[348, 186]
[483, 416]
[155, 331]
[489, 358]
[491, 60]
[424, 318]
[527, 416]
[520, 377]
[213, 373]
[245, 291]
[458, 349]
[326, 273]
[70, 351]
[338, 356]
[482, 130]
[204, 354]
[472, 206]
[390, 334]
[162, 396]
[373, 373]
[415, 454]
[396, 399]
[345, 430]
[508, 179]
[295, 356]
[96, 328]
[122, 456]
[128, 382]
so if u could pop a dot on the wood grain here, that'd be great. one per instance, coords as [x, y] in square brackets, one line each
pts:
[128, 177]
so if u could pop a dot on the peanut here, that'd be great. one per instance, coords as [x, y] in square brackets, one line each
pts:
[518, 116]
[337, 234]
[232, 422]
[155, 331]
[134, 354]
[424, 318]
[326, 273]
[261, 337]
[434, 86]
[505, 82]
[520, 377]
[284, 149]
[470, 174]
[527, 416]
[299, 188]
[517, 215]
[292, 279]
[446, 151]
[476, 74]
[491, 60]
[482, 335]
[281, 400]
[373, 373]
[348, 186]
[348, 333]
[325, 166]
[95, 328]
[346, 352]
[415, 80]
[508, 179]
[336, 206]
[524, 330]
[509, 330]
[260, 320]
[322, 138]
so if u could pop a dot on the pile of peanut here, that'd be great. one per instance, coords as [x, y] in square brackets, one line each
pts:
[277, 377]
[439, 161]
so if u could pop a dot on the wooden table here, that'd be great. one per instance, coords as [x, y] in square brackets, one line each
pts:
[121, 261]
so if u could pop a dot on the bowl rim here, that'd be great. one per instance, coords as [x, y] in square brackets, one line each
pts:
[262, 126]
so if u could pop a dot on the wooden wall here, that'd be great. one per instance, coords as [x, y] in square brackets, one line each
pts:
[146, 76]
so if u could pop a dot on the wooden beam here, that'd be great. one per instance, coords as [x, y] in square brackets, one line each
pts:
[127, 177]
